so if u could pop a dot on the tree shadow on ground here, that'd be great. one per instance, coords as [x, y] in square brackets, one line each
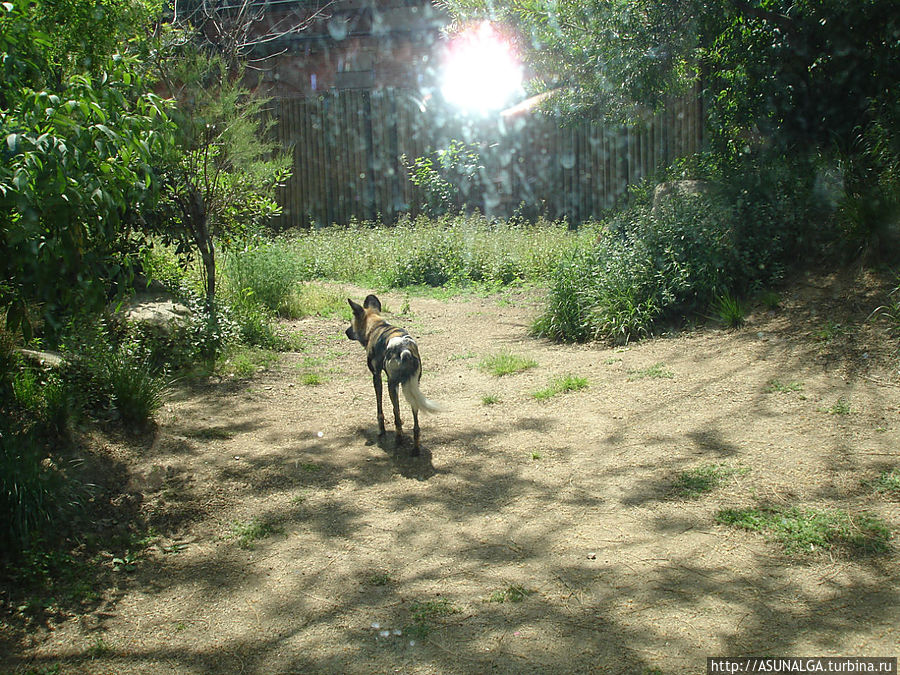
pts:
[663, 595]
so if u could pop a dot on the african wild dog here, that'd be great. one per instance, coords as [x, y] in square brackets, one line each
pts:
[392, 350]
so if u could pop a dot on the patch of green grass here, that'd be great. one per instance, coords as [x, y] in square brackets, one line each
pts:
[512, 593]
[451, 252]
[657, 371]
[561, 385]
[52, 669]
[536, 456]
[490, 399]
[506, 363]
[730, 311]
[770, 300]
[841, 407]
[693, 483]
[311, 299]
[311, 379]
[462, 356]
[778, 387]
[423, 615]
[808, 530]
[379, 579]
[830, 331]
[98, 649]
[249, 532]
[888, 482]
[210, 433]
[247, 361]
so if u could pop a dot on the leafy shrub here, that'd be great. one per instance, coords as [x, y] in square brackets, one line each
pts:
[677, 258]
[113, 379]
[208, 333]
[445, 175]
[32, 490]
[263, 274]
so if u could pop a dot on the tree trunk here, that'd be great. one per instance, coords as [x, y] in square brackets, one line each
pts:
[207, 248]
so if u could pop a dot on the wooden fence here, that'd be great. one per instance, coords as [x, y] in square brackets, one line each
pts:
[347, 147]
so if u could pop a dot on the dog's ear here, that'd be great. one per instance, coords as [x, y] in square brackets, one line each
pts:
[372, 302]
[357, 310]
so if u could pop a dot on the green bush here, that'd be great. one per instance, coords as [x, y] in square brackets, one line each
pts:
[32, 490]
[113, 378]
[34, 414]
[677, 258]
[263, 274]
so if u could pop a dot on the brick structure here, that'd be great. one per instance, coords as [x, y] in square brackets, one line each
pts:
[348, 44]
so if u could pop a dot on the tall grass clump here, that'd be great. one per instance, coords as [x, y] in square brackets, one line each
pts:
[449, 250]
[34, 414]
[663, 261]
[264, 274]
[113, 376]
[32, 490]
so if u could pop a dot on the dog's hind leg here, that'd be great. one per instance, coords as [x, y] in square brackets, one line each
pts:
[376, 381]
[395, 402]
[415, 412]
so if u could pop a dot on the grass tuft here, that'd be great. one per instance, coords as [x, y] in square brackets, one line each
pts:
[249, 532]
[778, 387]
[506, 363]
[694, 483]
[809, 530]
[888, 483]
[657, 371]
[423, 616]
[841, 407]
[561, 385]
[513, 593]
[730, 311]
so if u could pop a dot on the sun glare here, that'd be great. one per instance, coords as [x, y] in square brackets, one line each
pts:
[481, 72]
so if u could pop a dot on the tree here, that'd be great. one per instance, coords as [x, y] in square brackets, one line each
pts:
[220, 182]
[798, 71]
[796, 80]
[76, 173]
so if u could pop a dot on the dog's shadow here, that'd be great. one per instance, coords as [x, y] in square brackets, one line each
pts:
[418, 466]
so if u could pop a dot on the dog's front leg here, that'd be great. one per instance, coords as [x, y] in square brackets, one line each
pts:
[376, 380]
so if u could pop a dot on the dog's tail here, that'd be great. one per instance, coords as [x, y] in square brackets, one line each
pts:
[417, 400]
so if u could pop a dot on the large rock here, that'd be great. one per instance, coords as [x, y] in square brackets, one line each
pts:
[156, 310]
[46, 360]
[677, 188]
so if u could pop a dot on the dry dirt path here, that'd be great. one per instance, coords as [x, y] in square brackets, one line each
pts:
[531, 536]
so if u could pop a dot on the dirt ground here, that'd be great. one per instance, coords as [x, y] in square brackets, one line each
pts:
[531, 536]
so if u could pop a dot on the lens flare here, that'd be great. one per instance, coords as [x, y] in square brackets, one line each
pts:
[481, 71]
